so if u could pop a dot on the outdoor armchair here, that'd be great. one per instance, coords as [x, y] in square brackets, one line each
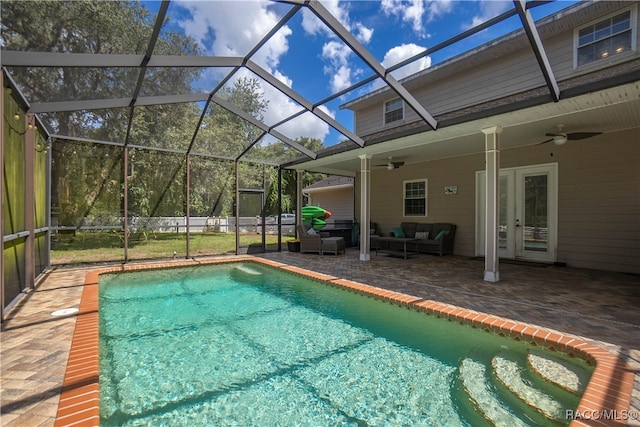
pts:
[317, 243]
[309, 242]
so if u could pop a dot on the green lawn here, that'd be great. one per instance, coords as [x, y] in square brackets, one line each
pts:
[109, 246]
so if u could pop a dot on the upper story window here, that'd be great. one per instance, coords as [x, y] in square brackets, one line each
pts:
[393, 111]
[606, 38]
[415, 197]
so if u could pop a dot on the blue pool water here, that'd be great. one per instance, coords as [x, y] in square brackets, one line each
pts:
[220, 345]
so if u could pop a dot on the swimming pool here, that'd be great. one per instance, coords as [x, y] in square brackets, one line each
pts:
[244, 344]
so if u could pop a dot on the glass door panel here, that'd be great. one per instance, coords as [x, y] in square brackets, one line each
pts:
[527, 224]
[536, 213]
[536, 227]
[504, 233]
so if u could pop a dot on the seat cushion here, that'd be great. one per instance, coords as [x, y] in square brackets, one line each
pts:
[409, 229]
[441, 234]
[422, 235]
[398, 232]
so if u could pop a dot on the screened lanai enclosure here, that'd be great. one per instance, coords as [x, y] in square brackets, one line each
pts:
[170, 129]
[95, 200]
[131, 145]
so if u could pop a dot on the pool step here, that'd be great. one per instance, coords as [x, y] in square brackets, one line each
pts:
[473, 375]
[246, 274]
[509, 373]
[559, 372]
[248, 270]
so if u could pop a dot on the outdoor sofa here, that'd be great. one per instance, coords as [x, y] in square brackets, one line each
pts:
[439, 238]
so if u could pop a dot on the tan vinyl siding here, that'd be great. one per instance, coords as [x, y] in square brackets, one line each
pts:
[599, 203]
[499, 74]
[387, 193]
[488, 81]
[339, 202]
[598, 197]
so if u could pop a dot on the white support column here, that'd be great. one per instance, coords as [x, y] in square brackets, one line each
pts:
[299, 204]
[492, 210]
[365, 215]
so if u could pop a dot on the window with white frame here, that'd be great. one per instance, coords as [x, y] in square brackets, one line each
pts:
[415, 197]
[393, 111]
[606, 38]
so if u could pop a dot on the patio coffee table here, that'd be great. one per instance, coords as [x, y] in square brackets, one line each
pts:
[380, 242]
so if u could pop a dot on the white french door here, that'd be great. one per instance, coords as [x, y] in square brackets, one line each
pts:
[528, 216]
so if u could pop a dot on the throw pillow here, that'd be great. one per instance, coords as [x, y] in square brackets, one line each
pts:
[398, 232]
[441, 234]
[422, 235]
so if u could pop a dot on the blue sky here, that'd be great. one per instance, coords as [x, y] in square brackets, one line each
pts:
[315, 63]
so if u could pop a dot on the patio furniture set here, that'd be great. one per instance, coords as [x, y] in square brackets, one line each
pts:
[319, 242]
[410, 239]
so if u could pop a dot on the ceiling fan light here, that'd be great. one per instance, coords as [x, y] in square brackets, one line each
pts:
[559, 139]
[390, 166]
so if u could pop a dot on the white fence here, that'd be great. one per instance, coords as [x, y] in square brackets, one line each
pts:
[178, 224]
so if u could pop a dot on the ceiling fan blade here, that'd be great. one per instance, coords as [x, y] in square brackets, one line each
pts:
[544, 142]
[554, 134]
[397, 164]
[575, 136]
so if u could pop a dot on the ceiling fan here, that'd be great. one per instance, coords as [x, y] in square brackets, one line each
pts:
[560, 137]
[391, 165]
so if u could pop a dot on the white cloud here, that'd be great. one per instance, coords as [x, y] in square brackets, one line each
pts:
[409, 11]
[363, 34]
[400, 53]
[312, 25]
[334, 52]
[488, 10]
[341, 79]
[216, 27]
[338, 69]
[416, 12]
[222, 31]
[439, 8]
[307, 125]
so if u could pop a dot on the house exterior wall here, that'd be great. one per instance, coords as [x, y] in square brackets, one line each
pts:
[493, 73]
[337, 201]
[598, 197]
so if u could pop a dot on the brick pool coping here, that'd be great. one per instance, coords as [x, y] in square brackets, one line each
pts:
[605, 401]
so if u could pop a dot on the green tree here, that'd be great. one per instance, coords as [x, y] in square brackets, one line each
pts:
[79, 178]
[283, 152]
[88, 179]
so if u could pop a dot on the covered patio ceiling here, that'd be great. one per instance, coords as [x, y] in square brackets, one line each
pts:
[218, 72]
